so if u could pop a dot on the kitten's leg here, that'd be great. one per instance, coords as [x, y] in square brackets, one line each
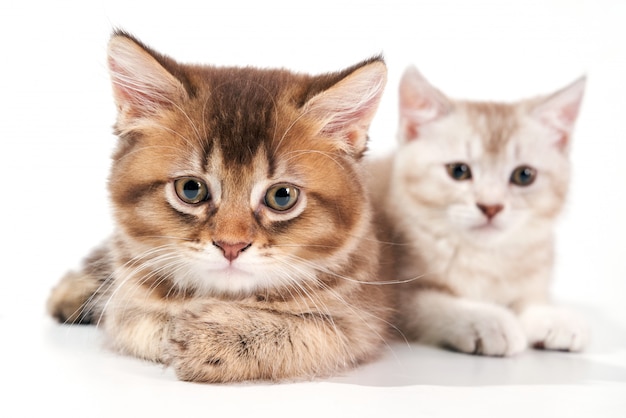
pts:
[471, 327]
[223, 342]
[138, 332]
[76, 297]
[554, 328]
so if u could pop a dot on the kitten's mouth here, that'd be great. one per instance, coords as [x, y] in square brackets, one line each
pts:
[228, 268]
[488, 226]
[232, 269]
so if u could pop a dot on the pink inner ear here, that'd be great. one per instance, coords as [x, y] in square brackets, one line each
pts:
[345, 111]
[411, 131]
[560, 111]
[420, 103]
[128, 90]
[417, 111]
[562, 122]
[121, 90]
[569, 113]
[351, 124]
[562, 142]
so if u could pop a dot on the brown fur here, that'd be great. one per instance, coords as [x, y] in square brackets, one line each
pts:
[240, 130]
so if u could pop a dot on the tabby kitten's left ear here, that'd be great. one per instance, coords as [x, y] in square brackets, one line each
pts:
[559, 111]
[141, 84]
[345, 110]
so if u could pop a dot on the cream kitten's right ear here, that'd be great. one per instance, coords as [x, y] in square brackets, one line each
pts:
[141, 84]
[559, 111]
[420, 103]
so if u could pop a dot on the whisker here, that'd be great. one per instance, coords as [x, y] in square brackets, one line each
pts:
[363, 315]
[128, 271]
[350, 279]
[294, 154]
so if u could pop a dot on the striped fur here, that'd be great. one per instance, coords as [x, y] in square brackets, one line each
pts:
[229, 289]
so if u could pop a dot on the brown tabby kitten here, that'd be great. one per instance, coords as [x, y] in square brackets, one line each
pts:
[244, 246]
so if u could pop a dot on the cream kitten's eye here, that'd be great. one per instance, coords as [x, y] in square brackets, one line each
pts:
[191, 190]
[523, 175]
[281, 197]
[459, 171]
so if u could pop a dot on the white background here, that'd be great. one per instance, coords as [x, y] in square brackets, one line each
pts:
[56, 113]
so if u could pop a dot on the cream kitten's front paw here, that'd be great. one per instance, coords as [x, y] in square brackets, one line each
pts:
[488, 330]
[554, 328]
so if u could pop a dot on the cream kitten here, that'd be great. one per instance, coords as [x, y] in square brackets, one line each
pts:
[474, 191]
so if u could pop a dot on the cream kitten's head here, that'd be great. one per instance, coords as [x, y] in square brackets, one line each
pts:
[482, 171]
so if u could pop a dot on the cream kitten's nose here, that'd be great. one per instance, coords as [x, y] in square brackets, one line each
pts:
[490, 210]
[232, 251]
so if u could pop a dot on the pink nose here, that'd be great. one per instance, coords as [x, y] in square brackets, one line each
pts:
[490, 210]
[232, 251]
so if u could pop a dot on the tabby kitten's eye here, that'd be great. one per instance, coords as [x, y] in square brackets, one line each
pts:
[281, 197]
[523, 175]
[459, 171]
[191, 190]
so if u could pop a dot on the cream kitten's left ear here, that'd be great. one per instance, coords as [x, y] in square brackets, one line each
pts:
[345, 110]
[559, 111]
[420, 103]
[141, 84]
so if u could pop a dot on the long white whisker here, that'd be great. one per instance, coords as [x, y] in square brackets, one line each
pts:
[350, 279]
[123, 274]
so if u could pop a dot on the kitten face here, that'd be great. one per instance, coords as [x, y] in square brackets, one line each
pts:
[482, 171]
[231, 180]
[242, 207]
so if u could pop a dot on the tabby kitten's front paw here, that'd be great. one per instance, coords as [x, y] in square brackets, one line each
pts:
[487, 330]
[195, 350]
[553, 328]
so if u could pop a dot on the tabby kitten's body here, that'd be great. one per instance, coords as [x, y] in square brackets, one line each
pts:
[244, 246]
[473, 192]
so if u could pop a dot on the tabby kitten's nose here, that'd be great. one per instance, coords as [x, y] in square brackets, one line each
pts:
[490, 210]
[232, 251]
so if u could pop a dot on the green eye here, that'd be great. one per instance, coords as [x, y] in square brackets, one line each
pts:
[191, 190]
[281, 197]
[459, 171]
[523, 175]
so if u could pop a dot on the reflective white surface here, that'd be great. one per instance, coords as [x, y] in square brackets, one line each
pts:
[69, 369]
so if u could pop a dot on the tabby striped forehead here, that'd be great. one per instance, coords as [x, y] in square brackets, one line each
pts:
[240, 114]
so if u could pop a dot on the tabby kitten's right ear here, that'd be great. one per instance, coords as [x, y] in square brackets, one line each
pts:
[345, 110]
[420, 103]
[141, 84]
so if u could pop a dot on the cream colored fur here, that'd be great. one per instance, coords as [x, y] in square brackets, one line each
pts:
[475, 284]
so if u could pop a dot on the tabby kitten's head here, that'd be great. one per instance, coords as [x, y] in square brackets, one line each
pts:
[482, 171]
[235, 180]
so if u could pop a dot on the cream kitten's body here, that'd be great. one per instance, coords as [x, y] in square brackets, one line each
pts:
[472, 195]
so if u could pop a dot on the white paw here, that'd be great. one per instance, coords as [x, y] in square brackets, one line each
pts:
[554, 328]
[489, 330]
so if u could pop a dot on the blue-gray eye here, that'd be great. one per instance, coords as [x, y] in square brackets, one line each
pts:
[523, 175]
[281, 197]
[191, 190]
[459, 171]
